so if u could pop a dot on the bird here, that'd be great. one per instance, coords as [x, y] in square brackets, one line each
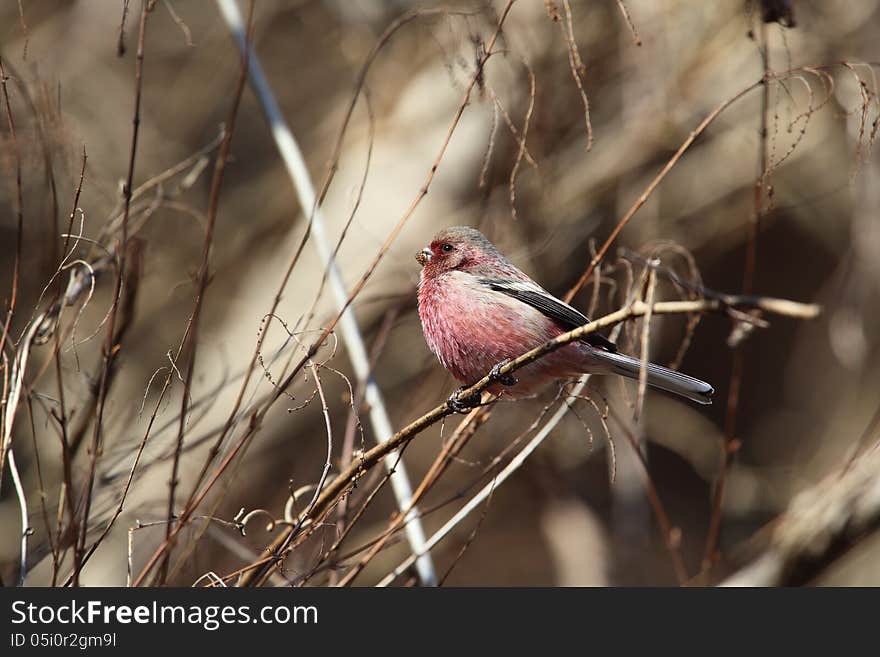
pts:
[479, 311]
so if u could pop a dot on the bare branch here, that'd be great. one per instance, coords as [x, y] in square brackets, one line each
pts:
[820, 525]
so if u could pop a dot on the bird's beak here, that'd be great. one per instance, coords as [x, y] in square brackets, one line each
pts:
[423, 256]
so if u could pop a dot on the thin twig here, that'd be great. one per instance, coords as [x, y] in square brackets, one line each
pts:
[13, 386]
[522, 142]
[510, 126]
[41, 488]
[187, 33]
[24, 31]
[19, 225]
[731, 445]
[120, 39]
[646, 329]
[577, 67]
[111, 345]
[643, 198]
[203, 277]
[329, 430]
[632, 28]
[352, 424]
[67, 483]
[469, 541]
[671, 535]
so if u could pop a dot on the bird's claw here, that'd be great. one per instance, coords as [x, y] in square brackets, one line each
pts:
[461, 404]
[504, 379]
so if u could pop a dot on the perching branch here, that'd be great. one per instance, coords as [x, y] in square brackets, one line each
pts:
[723, 303]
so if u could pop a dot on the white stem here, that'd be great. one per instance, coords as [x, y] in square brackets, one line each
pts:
[16, 383]
[22, 504]
[489, 488]
[348, 328]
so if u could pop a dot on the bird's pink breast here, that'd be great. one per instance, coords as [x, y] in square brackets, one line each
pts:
[471, 328]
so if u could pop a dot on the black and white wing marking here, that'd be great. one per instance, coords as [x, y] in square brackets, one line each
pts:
[539, 298]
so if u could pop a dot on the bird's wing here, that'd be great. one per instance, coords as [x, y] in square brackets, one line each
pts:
[559, 311]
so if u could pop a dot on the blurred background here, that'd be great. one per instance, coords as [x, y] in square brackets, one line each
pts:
[573, 515]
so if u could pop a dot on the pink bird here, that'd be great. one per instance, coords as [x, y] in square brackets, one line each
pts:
[478, 310]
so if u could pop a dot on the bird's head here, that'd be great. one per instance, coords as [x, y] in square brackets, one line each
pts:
[459, 248]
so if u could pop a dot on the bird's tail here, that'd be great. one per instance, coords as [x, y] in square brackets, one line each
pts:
[658, 376]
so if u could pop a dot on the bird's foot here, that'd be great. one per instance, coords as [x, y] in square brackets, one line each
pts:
[504, 379]
[462, 404]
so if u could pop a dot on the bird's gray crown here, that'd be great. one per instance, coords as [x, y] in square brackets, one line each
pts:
[465, 233]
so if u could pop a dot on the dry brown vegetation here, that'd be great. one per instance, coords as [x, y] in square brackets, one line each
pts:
[184, 400]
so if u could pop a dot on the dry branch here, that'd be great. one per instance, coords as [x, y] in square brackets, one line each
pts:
[114, 334]
[729, 447]
[821, 524]
[643, 198]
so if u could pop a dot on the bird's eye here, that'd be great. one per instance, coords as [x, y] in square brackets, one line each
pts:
[447, 248]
